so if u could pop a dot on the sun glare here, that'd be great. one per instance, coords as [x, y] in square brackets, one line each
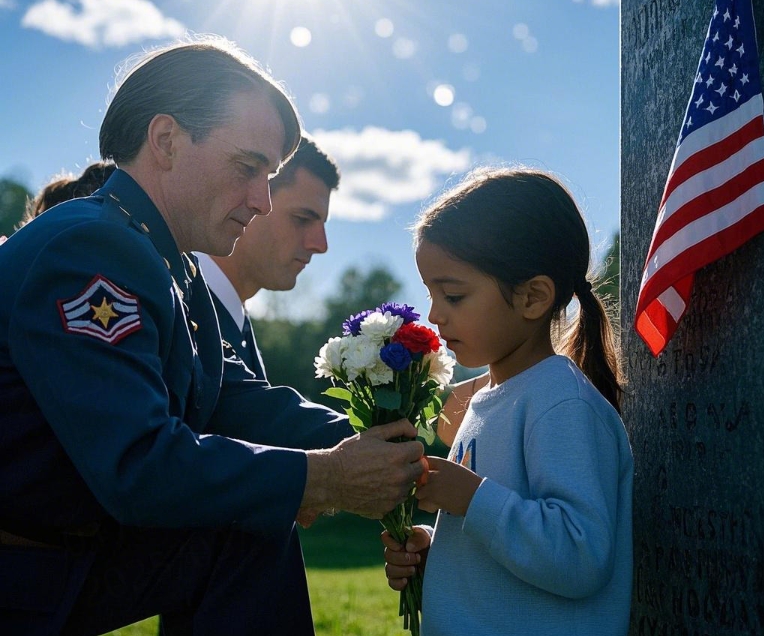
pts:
[384, 27]
[333, 30]
[444, 95]
[300, 36]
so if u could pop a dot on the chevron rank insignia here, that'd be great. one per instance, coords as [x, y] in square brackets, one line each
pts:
[101, 310]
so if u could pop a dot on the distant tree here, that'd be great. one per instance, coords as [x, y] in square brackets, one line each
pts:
[359, 291]
[288, 350]
[13, 201]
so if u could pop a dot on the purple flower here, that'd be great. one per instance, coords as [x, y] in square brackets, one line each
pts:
[404, 311]
[352, 326]
[395, 356]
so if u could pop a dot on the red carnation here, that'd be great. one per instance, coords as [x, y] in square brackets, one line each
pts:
[416, 338]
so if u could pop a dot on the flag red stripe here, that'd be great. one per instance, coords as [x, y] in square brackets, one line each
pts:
[709, 201]
[713, 154]
[652, 324]
[701, 254]
[703, 227]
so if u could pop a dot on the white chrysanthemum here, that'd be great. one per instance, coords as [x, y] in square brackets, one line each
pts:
[379, 374]
[360, 354]
[329, 358]
[380, 326]
[441, 366]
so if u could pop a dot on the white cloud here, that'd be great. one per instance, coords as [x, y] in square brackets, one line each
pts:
[97, 23]
[7, 4]
[603, 3]
[382, 168]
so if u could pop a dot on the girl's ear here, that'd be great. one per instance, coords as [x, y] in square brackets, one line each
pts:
[538, 297]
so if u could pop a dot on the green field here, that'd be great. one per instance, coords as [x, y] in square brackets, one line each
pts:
[348, 589]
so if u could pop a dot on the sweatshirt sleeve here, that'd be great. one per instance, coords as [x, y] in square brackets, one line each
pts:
[562, 537]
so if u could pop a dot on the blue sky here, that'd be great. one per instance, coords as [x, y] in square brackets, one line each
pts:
[407, 95]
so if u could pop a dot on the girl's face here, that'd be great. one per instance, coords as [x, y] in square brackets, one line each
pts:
[473, 317]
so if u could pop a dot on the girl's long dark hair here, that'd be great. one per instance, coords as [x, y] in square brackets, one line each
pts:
[517, 223]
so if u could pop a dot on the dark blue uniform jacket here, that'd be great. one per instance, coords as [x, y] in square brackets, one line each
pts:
[117, 403]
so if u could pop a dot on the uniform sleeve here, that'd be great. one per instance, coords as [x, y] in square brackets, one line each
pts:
[256, 411]
[108, 404]
[562, 538]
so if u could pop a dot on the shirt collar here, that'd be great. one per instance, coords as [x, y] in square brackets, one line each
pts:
[219, 283]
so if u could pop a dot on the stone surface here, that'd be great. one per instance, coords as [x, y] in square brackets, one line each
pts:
[695, 414]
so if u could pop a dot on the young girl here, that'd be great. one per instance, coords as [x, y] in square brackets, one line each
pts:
[533, 535]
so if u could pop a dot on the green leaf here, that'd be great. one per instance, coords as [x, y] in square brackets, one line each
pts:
[361, 407]
[339, 393]
[427, 434]
[359, 426]
[387, 399]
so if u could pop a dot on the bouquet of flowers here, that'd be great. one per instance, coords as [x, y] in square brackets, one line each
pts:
[390, 368]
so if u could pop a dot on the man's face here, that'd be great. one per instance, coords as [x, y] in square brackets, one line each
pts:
[218, 185]
[277, 247]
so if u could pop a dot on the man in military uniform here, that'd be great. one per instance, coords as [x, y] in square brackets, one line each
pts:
[142, 470]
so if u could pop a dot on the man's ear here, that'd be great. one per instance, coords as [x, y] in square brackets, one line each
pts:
[537, 295]
[162, 139]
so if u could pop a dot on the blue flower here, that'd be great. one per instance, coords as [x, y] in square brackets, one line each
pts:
[395, 356]
[404, 311]
[352, 326]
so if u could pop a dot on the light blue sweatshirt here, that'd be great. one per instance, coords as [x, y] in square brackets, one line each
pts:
[546, 546]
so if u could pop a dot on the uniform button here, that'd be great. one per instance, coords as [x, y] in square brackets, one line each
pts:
[244, 343]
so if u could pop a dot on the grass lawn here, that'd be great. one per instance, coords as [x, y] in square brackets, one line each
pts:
[348, 589]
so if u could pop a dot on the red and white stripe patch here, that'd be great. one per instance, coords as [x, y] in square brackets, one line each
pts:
[102, 310]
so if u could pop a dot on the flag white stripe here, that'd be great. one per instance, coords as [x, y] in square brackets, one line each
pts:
[711, 178]
[715, 131]
[673, 303]
[704, 227]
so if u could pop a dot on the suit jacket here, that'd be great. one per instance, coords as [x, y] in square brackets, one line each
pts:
[242, 341]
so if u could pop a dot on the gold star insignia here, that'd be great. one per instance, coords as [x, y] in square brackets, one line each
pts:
[104, 313]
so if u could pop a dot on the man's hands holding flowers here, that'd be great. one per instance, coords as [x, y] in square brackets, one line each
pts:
[364, 474]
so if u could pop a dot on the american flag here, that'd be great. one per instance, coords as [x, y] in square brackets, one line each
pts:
[713, 201]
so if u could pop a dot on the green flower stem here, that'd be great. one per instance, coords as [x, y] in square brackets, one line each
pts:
[398, 522]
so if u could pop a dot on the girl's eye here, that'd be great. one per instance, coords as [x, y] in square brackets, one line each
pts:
[451, 299]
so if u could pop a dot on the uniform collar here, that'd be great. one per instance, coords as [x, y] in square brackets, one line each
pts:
[133, 201]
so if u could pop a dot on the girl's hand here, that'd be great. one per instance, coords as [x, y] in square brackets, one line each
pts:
[449, 486]
[402, 563]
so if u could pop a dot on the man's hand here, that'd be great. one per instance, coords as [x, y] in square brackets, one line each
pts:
[449, 486]
[365, 474]
[402, 563]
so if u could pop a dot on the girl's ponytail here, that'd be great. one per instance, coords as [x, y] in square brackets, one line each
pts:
[591, 344]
